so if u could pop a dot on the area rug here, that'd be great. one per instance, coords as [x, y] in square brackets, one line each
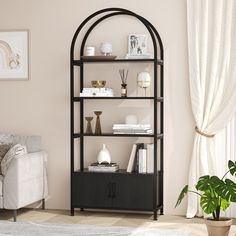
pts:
[38, 229]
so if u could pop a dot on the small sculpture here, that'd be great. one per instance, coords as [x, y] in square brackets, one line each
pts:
[98, 129]
[144, 81]
[104, 155]
[106, 49]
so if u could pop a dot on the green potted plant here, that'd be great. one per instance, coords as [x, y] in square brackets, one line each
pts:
[215, 195]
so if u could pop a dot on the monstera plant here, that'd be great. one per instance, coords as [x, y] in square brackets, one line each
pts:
[215, 193]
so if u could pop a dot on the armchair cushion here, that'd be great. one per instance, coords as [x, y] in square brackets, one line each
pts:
[32, 143]
[6, 138]
[26, 180]
[14, 152]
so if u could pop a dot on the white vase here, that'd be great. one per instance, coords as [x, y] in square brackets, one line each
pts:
[131, 120]
[104, 155]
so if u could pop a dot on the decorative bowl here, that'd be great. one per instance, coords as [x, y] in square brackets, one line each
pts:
[106, 49]
[98, 83]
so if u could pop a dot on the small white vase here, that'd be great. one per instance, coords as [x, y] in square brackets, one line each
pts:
[131, 120]
[104, 155]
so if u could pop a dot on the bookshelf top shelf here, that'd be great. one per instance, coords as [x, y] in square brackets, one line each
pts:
[121, 60]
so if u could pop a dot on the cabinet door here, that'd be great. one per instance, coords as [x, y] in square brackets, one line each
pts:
[133, 192]
[91, 190]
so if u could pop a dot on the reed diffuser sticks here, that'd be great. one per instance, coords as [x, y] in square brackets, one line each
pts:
[123, 75]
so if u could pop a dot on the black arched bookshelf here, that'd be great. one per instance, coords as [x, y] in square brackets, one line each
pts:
[117, 190]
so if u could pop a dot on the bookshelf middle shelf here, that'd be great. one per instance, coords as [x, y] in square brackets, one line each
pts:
[78, 135]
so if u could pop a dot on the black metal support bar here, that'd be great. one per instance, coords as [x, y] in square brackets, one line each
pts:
[71, 132]
[14, 215]
[111, 10]
[43, 204]
[145, 22]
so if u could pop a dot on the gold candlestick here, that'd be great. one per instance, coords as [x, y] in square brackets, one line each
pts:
[98, 129]
[89, 126]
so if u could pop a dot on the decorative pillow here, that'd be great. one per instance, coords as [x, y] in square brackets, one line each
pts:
[15, 151]
[6, 138]
[4, 148]
[32, 143]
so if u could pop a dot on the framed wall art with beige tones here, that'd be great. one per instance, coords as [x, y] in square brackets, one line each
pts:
[14, 55]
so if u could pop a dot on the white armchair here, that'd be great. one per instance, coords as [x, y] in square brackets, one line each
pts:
[25, 181]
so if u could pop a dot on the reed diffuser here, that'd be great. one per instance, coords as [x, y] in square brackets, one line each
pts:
[123, 76]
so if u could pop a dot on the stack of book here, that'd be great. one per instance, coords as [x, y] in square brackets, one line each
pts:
[141, 56]
[104, 167]
[141, 158]
[131, 129]
[97, 92]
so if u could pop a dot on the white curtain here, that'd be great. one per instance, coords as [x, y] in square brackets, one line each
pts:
[225, 143]
[212, 75]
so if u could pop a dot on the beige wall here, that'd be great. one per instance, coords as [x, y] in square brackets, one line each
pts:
[41, 105]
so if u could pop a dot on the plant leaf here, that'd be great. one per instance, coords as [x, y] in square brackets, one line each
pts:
[232, 167]
[224, 204]
[216, 182]
[209, 202]
[203, 183]
[182, 195]
[227, 190]
[207, 183]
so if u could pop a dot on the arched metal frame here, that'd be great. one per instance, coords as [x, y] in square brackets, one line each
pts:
[155, 37]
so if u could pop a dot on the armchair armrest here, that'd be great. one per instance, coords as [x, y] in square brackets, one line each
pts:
[25, 181]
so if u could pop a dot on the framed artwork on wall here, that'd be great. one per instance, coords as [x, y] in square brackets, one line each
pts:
[14, 55]
[137, 44]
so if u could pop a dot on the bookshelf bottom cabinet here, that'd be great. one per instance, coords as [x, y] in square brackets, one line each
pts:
[114, 191]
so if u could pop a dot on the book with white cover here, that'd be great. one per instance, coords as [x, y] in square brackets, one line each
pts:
[130, 166]
[150, 158]
[130, 126]
[97, 92]
[142, 56]
[112, 167]
[133, 132]
[142, 159]
[103, 169]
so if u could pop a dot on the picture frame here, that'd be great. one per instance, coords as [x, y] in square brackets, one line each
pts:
[14, 55]
[137, 44]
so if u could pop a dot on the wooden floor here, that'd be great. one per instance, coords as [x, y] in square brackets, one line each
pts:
[195, 227]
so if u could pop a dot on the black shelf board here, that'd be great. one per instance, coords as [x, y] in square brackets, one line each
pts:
[78, 99]
[120, 171]
[78, 135]
[80, 62]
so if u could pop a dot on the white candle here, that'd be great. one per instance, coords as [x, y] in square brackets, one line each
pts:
[90, 51]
